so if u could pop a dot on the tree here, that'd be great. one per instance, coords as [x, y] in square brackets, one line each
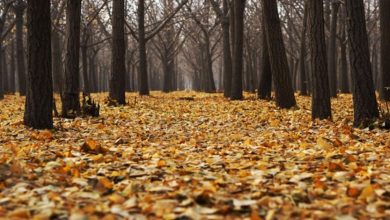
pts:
[284, 92]
[239, 9]
[39, 94]
[321, 97]
[71, 96]
[364, 100]
[303, 52]
[227, 55]
[118, 63]
[265, 82]
[142, 37]
[385, 48]
[19, 9]
[332, 50]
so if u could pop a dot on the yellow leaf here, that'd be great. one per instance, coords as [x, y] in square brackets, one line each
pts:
[368, 194]
[106, 183]
[161, 163]
[324, 143]
[116, 199]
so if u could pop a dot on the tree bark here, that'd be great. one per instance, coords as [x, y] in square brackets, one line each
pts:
[236, 89]
[343, 72]
[302, 54]
[143, 63]
[364, 100]
[385, 48]
[321, 107]
[57, 62]
[265, 82]
[71, 96]
[284, 92]
[12, 86]
[39, 97]
[118, 63]
[332, 51]
[227, 54]
[21, 68]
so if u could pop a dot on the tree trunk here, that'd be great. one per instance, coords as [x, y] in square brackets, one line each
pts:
[343, 72]
[302, 54]
[5, 72]
[21, 68]
[236, 89]
[332, 51]
[143, 62]
[84, 64]
[39, 97]
[1, 74]
[118, 63]
[284, 92]
[12, 86]
[320, 98]
[265, 82]
[57, 62]
[385, 48]
[71, 96]
[227, 54]
[364, 100]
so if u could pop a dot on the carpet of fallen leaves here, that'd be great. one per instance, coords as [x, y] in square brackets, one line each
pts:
[171, 157]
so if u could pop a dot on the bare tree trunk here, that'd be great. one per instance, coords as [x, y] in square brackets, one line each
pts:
[265, 82]
[71, 96]
[321, 98]
[227, 55]
[385, 48]
[12, 86]
[57, 62]
[332, 51]
[302, 54]
[21, 68]
[343, 73]
[39, 97]
[284, 92]
[239, 9]
[365, 104]
[143, 63]
[118, 62]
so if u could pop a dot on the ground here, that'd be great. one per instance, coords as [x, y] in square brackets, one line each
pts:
[167, 157]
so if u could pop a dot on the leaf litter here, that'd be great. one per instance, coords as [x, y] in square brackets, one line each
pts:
[168, 157]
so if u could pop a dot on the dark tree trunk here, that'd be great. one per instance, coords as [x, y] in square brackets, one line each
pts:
[71, 96]
[284, 92]
[265, 82]
[332, 50]
[343, 73]
[143, 62]
[227, 55]
[84, 63]
[320, 98]
[12, 86]
[302, 54]
[365, 104]
[39, 97]
[21, 68]
[5, 72]
[57, 62]
[118, 63]
[1, 74]
[236, 89]
[385, 49]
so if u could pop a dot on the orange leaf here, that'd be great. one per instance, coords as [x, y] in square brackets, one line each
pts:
[353, 192]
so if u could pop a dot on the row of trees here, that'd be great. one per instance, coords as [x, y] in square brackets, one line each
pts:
[260, 44]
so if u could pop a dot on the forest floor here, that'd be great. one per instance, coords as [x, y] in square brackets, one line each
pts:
[164, 157]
